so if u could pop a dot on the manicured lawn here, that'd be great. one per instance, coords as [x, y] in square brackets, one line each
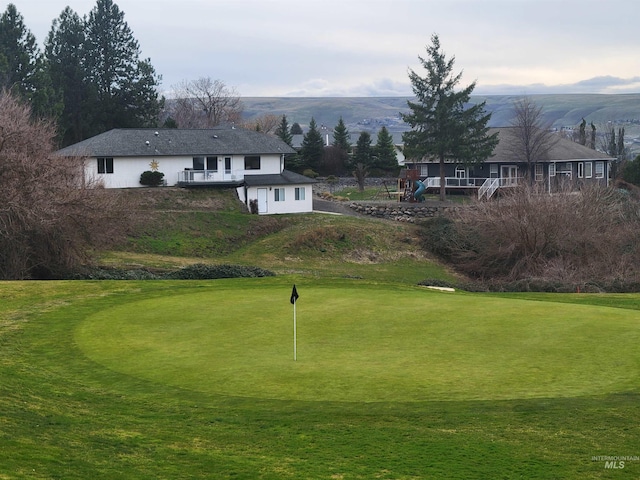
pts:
[181, 379]
[367, 343]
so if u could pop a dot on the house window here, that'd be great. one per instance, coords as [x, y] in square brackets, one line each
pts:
[460, 172]
[252, 162]
[580, 170]
[599, 169]
[198, 163]
[539, 172]
[212, 163]
[278, 194]
[424, 170]
[299, 193]
[552, 169]
[588, 170]
[105, 165]
[493, 170]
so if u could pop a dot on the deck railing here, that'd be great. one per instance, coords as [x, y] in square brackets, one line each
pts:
[486, 186]
[209, 176]
[454, 182]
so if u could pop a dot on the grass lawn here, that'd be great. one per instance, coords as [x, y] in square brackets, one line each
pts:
[181, 379]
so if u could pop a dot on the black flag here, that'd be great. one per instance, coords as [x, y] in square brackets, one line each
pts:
[294, 295]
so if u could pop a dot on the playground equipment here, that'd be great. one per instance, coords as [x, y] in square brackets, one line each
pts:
[407, 185]
[418, 194]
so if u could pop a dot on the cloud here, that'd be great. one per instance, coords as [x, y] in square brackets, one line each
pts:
[596, 85]
[385, 87]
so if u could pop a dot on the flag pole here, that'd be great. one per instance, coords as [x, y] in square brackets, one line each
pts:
[294, 299]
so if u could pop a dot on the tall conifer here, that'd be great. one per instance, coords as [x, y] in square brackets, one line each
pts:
[444, 127]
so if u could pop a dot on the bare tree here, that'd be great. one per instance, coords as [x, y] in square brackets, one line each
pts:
[50, 215]
[570, 238]
[532, 138]
[613, 145]
[205, 103]
[267, 123]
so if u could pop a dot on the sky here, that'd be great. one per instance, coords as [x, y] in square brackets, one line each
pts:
[364, 48]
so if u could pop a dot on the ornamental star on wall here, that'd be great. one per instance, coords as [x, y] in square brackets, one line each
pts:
[154, 165]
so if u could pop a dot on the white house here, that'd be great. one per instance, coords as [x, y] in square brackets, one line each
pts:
[249, 161]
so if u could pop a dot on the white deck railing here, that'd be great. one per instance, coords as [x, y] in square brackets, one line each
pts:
[209, 176]
[454, 182]
[486, 186]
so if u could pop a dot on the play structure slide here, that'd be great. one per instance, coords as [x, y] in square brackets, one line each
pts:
[419, 191]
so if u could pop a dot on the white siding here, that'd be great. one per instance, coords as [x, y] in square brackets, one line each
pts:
[289, 205]
[127, 170]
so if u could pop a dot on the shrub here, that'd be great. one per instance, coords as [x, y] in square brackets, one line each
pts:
[202, 271]
[151, 178]
[99, 273]
[436, 282]
[310, 173]
[48, 226]
[198, 271]
[528, 240]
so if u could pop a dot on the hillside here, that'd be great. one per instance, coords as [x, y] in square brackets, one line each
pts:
[370, 113]
[179, 227]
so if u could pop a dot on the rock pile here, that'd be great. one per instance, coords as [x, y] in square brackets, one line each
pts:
[400, 212]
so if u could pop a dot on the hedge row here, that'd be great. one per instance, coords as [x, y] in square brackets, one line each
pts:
[198, 271]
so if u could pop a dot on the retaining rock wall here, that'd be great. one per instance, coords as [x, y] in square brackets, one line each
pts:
[401, 212]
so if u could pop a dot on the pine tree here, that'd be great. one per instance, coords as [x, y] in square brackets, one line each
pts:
[125, 87]
[296, 129]
[385, 151]
[362, 159]
[443, 128]
[582, 136]
[284, 132]
[64, 56]
[341, 137]
[363, 152]
[19, 54]
[312, 147]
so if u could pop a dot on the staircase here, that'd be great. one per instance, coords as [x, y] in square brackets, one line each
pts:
[488, 188]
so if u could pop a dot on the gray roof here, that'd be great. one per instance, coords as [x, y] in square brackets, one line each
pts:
[563, 150]
[140, 142]
[287, 177]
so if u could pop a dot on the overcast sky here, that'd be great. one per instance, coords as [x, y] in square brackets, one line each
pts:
[365, 47]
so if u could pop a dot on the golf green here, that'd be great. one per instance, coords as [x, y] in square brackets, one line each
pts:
[367, 344]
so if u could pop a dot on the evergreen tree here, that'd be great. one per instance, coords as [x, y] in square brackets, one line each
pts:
[443, 128]
[64, 54]
[385, 151]
[362, 159]
[631, 171]
[312, 147]
[341, 137]
[296, 129]
[125, 86]
[582, 136]
[363, 152]
[283, 131]
[622, 151]
[19, 54]
[612, 147]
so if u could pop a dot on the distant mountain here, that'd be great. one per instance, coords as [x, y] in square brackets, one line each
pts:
[562, 110]
[370, 113]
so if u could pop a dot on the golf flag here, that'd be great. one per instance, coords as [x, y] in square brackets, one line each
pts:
[294, 297]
